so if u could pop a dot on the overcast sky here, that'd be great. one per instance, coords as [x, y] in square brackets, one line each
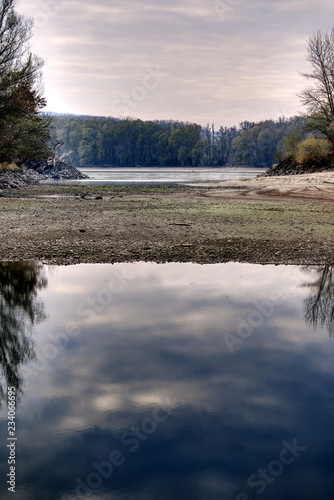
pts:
[221, 61]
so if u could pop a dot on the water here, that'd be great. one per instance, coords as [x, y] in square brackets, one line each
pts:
[161, 176]
[175, 381]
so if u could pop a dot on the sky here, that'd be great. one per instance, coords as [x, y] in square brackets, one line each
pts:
[202, 61]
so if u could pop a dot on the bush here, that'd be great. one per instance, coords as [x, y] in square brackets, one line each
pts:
[8, 167]
[314, 152]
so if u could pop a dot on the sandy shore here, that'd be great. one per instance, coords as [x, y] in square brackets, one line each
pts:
[312, 186]
[265, 220]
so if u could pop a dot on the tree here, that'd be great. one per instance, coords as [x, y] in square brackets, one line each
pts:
[246, 146]
[319, 307]
[24, 134]
[20, 309]
[224, 143]
[183, 141]
[294, 133]
[319, 98]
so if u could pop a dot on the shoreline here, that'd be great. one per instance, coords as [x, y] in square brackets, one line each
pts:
[268, 220]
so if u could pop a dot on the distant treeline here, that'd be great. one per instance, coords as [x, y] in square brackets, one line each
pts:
[98, 141]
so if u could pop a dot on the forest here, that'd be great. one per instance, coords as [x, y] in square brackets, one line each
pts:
[104, 142]
[303, 142]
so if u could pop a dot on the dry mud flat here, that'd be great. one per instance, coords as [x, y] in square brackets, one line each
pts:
[286, 220]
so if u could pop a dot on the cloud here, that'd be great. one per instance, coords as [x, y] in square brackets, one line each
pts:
[245, 65]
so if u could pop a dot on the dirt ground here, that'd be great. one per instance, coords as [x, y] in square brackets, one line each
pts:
[267, 220]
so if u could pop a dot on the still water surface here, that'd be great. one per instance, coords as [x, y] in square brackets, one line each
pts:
[176, 381]
[161, 176]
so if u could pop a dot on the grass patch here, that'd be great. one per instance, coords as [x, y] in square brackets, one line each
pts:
[66, 190]
[8, 167]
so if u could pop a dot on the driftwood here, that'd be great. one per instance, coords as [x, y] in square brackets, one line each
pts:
[178, 224]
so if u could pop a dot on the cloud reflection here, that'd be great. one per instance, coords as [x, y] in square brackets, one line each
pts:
[160, 343]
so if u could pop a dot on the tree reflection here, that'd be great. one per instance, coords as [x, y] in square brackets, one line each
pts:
[19, 311]
[319, 307]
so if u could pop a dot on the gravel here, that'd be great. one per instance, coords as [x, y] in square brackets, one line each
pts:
[58, 225]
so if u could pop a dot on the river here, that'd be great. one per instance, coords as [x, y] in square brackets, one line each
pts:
[161, 175]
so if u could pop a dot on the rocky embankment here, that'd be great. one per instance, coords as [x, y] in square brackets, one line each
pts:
[34, 173]
[288, 167]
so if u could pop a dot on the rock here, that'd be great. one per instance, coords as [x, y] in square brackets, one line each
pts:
[57, 170]
[35, 172]
[18, 179]
[289, 167]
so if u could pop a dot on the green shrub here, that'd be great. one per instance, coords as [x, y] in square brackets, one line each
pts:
[314, 152]
[289, 144]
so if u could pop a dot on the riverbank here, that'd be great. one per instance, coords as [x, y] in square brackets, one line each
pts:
[266, 220]
[34, 173]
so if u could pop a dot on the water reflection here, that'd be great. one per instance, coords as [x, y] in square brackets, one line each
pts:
[319, 307]
[20, 309]
[148, 374]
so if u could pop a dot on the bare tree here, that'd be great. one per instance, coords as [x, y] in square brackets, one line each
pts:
[319, 98]
[319, 307]
[17, 64]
